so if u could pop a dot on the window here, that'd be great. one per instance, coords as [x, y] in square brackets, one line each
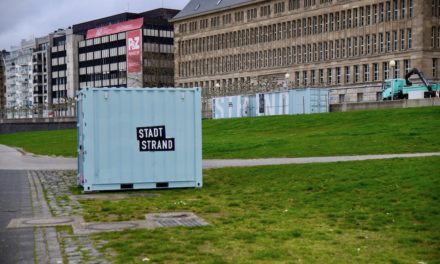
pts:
[368, 11]
[313, 77]
[386, 72]
[434, 68]
[366, 72]
[410, 6]
[395, 41]
[265, 11]
[348, 18]
[347, 74]
[402, 39]
[356, 73]
[355, 46]
[402, 9]
[355, 17]
[361, 40]
[407, 65]
[381, 42]
[293, 4]
[381, 13]
[332, 22]
[375, 71]
[367, 40]
[361, 11]
[373, 50]
[251, 14]
[395, 10]
[341, 98]
[279, 7]
[409, 38]
[338, 75]
[305, 79]
[433, 30]
[360, 97]
[297, 79]
[239, 17]
[388, 7]
[396, 73]
[321, 76]
[329, 76]
[388, 39]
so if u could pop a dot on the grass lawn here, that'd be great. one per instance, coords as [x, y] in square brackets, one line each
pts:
[52, 143]
[364, 132]
[384, 211]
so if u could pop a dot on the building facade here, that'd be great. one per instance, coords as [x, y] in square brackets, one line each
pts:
[3, 55]
[19, 79]
[243, 46]
[134, 50]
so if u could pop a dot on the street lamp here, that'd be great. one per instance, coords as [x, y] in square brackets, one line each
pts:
[392, 65]
[286, 81]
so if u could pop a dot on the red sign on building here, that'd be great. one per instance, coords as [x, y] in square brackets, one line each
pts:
[115, 28]
[134, 51]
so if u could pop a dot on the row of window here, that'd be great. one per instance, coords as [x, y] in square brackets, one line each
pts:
[292, 55]
[118, 51]
[148, 32]
[112, 82]
[349, 74]
[358, 16]
[352, 74]
[262, 34]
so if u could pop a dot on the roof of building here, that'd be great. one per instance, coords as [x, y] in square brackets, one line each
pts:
[158, 16]
[196, 7]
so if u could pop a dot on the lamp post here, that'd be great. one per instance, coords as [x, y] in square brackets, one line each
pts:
[217, 88]
[392, 65]
[286, 80]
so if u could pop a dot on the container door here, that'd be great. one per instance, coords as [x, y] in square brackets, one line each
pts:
[80, 140]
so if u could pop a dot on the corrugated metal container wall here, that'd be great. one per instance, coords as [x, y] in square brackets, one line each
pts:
[309, 101]
[135, 138]
[276, 103]
[250, 104]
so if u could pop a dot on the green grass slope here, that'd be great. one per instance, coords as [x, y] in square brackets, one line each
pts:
[364, 132]
[52, 143]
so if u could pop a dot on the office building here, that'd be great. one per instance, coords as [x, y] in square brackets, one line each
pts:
[128, 49]
[244, 46]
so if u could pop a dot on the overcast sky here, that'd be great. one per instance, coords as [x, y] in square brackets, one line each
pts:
[24, 19]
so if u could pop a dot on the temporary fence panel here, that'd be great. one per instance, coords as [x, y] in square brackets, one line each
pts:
[139, 138]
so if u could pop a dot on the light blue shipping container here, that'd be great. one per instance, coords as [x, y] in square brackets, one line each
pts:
[134, 138]
[274, 103]
[233, 106]
[308, 101]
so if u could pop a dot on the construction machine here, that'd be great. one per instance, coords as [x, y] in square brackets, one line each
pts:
[394, 89]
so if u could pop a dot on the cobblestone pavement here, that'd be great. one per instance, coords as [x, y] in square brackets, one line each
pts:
[61, 246]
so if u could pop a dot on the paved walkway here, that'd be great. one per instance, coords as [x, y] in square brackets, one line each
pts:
[11, 159]
[209, 164]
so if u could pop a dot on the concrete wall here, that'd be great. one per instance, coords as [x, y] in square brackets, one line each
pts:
[346, 107]
[36, 124]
